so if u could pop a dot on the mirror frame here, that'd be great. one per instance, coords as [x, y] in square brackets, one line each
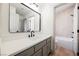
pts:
[33, 11]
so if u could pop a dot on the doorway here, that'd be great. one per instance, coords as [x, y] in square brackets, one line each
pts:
[65, 28]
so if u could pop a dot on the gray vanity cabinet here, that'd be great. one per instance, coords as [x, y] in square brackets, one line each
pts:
[47, 47]
[41, 49]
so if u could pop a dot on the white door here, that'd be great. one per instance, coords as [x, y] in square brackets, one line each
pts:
[75, 27]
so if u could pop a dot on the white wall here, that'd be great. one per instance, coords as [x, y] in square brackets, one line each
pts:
[46, 20]
[47, 14]
[64, 23]
[75, 28]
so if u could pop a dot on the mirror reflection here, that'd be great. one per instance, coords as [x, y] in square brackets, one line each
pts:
[24, 19]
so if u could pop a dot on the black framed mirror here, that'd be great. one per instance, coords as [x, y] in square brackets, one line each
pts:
[23, 18]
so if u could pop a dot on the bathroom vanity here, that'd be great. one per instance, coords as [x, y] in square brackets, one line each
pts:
[37, 46]
[40, 49]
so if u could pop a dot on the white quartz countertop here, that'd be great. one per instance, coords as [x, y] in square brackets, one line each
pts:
[15, 46]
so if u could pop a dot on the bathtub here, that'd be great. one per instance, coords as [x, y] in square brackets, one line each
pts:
[64, 42]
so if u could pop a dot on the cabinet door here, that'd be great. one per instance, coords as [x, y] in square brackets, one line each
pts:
[28, 52]
[38, 53]
[45, 50]
[49, 46]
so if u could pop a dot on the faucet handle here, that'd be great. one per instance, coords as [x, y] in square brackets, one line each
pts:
[33, 35]
[29, 36]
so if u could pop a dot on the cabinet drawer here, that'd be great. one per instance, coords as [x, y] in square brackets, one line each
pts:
[27, 52]
[49, 39]
[40, 45]
[45, 50]
[38, 53]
